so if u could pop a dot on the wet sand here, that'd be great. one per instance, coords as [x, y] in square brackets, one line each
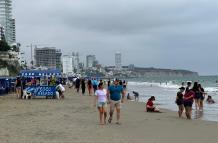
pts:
[75, 120]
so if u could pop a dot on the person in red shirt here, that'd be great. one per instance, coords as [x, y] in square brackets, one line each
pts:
[188, 102]
[150, 105]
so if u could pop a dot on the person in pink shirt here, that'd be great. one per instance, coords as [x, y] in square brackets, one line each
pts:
[101, 100]
[188, 102]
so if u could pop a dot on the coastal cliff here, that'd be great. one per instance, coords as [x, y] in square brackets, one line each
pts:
[155, 72]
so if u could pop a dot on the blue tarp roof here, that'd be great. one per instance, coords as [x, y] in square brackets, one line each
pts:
[40, 73]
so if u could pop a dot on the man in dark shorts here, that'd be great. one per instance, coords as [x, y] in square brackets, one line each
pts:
[95, 84]
[114, 94]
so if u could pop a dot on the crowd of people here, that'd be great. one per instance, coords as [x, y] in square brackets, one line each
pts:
[189, 95]
[112, 93]
[106, 93]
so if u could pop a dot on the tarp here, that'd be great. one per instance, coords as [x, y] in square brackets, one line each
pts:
[6, 84]
[42, 90]
[40, 73]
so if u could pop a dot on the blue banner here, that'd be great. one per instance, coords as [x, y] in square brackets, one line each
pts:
[44, 90]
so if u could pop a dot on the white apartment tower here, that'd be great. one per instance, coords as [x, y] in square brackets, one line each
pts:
[67, 62]
[75, 60]
[7, 21]
[118, 61]
[90, 59]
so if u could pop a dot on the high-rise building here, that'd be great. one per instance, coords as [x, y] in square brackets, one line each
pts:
[76, 61]
[118, 61]
[67, 61]
[2, 32]
[48, 57]
[7, 21]
[90, 59]
[13, 30]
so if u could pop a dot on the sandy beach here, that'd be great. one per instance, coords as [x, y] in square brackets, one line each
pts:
[75, 120]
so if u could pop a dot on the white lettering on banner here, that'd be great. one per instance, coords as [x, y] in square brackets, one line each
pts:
[44, 91]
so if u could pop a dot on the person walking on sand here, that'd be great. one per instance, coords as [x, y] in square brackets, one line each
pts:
[18, 86]
[179, 101]
[101, 100]
[188, 102]
[83, 86]
[77, 84]
[95, 84]
[89, 86]
[115, 95]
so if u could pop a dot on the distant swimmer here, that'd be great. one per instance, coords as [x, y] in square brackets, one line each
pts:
[210, 100]
[136, 94]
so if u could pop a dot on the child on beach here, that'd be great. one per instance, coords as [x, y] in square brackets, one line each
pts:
[101, 100]
[179, 101]
[150, 105]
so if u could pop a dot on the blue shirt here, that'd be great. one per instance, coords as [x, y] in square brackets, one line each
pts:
[95, 82]
[115, 92]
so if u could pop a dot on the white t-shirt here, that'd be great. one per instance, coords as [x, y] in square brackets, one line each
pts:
[61, 87]
[102, 95]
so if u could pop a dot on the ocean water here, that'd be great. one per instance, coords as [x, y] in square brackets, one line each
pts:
[165, 90]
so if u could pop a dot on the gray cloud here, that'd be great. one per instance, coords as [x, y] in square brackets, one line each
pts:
[169, 34]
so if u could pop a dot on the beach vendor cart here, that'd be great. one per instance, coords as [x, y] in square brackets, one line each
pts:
[41, 82]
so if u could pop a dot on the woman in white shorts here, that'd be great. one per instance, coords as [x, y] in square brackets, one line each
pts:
[101, 100]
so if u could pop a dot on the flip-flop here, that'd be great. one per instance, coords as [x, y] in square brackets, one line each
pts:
[118, 123]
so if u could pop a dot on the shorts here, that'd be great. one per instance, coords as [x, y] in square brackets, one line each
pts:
[202, 97]
[114, 104]
[197, 96]
[102, 104]
[188, 103]
[150, 109]
[19, 87]
[95, 87]
[179, 102]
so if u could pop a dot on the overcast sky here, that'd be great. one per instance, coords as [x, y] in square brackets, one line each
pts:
[178, 34]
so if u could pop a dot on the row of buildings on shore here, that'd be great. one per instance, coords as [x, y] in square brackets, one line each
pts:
[52, 58]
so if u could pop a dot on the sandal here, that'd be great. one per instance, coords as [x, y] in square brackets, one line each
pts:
[118, 123]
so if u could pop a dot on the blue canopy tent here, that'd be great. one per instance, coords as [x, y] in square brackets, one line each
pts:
[42, 89]
[40, 73]
[6, 84]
